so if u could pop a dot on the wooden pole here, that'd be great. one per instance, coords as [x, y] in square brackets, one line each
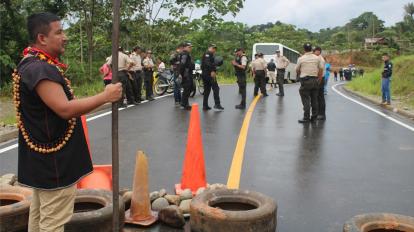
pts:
[115, 143]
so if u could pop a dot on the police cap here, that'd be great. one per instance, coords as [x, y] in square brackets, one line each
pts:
[307, 47]
[187, 44]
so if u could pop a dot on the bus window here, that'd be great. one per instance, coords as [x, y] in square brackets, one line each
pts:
[267, 49]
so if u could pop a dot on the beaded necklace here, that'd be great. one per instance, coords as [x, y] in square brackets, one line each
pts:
[44, 148]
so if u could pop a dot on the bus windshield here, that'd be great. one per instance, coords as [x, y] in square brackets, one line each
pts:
[267, 49]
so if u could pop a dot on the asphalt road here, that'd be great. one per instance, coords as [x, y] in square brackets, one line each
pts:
[320, 174]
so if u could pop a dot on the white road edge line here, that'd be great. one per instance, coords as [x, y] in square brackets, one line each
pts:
[372, 109]
[11, 147]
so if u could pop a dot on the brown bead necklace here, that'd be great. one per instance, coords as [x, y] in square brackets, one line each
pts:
[44, 148]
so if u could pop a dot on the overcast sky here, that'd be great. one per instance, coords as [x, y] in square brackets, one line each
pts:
[316, 14]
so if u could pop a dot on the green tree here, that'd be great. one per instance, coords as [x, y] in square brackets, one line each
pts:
[409, 9]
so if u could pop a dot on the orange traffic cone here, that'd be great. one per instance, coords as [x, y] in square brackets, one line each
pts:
[140, 212]
[194, 171]
[101, 177]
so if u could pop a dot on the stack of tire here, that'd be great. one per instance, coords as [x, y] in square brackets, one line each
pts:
[93, 210]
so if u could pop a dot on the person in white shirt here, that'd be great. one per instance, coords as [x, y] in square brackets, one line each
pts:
[136, 72]
[124, 65]
[161, 65]
[148, 73]
[281, 64]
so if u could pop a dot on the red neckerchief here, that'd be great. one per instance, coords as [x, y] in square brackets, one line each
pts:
[37, 51]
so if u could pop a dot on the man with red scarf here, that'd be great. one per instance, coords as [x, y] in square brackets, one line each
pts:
[53, 153]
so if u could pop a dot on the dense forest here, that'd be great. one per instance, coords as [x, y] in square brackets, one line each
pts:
[88, 26]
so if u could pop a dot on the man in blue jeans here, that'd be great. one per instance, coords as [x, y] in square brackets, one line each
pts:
[386, 80]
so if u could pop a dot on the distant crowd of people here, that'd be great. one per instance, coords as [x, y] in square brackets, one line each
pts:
[136, 70]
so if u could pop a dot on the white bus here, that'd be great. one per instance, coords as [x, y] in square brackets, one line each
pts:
[269, 52]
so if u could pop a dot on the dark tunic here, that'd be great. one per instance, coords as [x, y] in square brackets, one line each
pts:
[54, 170]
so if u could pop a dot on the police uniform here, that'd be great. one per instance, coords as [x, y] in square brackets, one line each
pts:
[136, 71]
[185, 69]
[175, 61]
[241, 78]
[309, 66]
[124, 63]
[208, 66]
[259, 68]
[148, 79]
[385, 83]
[281, 64]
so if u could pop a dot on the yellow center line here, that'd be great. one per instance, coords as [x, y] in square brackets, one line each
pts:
[233, 181]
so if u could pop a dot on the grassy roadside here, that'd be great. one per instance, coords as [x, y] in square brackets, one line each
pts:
[402, 85]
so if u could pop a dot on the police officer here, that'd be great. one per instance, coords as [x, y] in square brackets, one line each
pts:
[386, 79]
[259, 67]
[240, 67]
[136, 71]
[281, 64]
[321, 94]
[310, 69]
[148, 75]
[175, 59]
[124, 64]
[185, 69]
[209, 75]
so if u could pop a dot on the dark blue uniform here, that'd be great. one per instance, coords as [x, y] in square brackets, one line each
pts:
[185, 69]
[207, 66]
[241, 79]
[175, 62]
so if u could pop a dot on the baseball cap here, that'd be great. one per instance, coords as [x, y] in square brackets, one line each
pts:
[212, 45]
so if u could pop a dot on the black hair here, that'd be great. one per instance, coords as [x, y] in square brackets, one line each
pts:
[136, 48]
[40, 24]
[317, 49]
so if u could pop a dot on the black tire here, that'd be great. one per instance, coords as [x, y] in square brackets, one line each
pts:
[379, 222]
[160, 86]
[14, 208]
[93, 212]
[257, 212]
[200, 86]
